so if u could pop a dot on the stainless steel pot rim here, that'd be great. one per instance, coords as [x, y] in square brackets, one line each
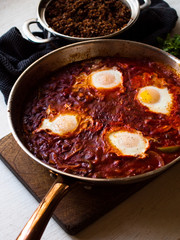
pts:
[122, 180]
[134, 6]
[135, 11]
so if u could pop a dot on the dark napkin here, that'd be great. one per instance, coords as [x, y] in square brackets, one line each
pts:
[17, 53]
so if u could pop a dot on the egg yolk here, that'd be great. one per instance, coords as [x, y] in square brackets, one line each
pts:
[106, 79]
[149, 96]
[124, 139]
[128, 143]
[61, 125]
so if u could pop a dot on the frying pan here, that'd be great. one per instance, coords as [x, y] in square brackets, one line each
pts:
[34, 76]
[134, 6]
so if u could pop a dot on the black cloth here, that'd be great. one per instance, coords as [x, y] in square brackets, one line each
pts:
[17, 53]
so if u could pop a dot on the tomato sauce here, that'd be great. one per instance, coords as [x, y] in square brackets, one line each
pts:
[86, 153]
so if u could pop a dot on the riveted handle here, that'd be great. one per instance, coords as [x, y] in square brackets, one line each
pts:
[37, 223]
[30, 35]
[146, 4]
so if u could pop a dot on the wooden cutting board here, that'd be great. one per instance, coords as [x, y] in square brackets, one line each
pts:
[81, 206]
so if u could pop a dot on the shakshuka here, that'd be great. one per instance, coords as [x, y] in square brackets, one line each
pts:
[107, 117]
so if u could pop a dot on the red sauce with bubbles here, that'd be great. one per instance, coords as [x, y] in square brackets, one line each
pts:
[86, 153]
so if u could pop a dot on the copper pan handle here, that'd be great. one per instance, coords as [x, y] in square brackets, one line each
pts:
[37, 223]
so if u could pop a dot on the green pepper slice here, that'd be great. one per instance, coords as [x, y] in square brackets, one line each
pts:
[169, 149]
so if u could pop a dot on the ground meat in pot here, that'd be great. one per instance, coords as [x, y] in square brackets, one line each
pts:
[84, 18]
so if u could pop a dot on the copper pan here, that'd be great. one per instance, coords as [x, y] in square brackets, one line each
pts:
[32, 76]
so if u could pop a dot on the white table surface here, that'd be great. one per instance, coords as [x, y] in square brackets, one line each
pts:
[151, 213]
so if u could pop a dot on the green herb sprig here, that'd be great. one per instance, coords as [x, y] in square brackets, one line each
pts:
[171, 44]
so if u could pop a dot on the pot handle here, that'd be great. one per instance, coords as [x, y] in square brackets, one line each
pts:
[37, 223]
[29, 34]
[146, 4]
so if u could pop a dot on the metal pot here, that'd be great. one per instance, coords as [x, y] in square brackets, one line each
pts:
[32, 76]
[134, 6]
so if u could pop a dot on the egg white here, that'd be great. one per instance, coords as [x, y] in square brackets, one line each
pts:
[106, 79]
[127, 143]
[62, 125]
[158, 100]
